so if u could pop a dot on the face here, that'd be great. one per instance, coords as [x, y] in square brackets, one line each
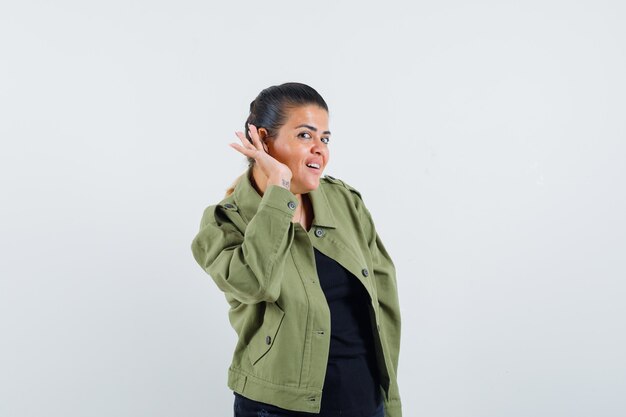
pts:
[302, 141]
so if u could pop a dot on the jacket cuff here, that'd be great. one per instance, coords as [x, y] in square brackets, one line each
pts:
[393, 408]
[279, 198]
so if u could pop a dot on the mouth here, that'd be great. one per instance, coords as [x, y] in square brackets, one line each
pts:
[315, 167]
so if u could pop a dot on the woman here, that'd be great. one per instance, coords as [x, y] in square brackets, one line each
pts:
[311, 288]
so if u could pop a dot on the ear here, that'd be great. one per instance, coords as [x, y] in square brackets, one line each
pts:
[263, 134]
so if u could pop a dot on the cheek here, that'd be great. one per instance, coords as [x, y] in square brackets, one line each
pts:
[279, 152]
[288, 157]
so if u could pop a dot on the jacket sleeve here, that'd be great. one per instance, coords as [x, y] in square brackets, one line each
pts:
[249, 266]
[389, 307]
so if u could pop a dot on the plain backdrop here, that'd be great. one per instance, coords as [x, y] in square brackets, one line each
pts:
[488, 139]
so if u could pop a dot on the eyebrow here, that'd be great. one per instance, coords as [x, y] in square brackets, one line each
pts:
[326, 132]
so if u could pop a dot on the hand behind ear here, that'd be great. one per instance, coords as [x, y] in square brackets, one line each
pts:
[276, 172]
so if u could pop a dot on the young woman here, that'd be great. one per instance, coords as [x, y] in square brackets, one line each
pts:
[311, 287]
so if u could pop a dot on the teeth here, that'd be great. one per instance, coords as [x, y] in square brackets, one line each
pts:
[313, 165]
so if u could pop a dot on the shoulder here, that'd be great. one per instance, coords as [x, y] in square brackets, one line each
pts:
[333, 184]
[219, 213]
[344, 195]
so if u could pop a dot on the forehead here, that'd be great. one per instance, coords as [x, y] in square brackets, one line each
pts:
[312, 115]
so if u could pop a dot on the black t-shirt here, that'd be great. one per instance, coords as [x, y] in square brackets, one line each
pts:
[351, 386]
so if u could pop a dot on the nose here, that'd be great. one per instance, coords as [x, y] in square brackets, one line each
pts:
[319, 147]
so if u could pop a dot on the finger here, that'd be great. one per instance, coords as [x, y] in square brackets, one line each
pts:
[240, 135]
[247, 152]
[244, 140]
[254, 134]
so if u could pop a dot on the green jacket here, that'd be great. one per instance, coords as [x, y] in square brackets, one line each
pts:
[265, 265]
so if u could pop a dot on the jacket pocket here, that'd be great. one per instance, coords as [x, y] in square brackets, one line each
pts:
[265, 337]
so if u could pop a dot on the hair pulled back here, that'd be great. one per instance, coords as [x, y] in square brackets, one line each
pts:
[270, 108]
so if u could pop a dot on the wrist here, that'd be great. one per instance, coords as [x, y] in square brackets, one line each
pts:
[280, 180]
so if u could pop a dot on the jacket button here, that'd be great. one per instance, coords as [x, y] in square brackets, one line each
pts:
[268, 340]
[319, 232]
[291, 205]
[365, 272]
[229, 206]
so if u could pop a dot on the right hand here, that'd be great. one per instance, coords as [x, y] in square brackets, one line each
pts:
[276, 172]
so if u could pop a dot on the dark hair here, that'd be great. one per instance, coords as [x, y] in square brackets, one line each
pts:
[270, 108]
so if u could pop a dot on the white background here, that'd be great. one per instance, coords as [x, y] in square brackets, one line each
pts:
[487, 139]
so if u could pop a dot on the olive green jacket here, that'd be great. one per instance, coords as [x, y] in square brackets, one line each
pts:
[265, 265]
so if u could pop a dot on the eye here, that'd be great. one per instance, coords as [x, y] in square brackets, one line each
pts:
[325, 140]
[305, 135]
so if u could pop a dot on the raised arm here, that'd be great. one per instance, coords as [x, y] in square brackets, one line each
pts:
[249, 265]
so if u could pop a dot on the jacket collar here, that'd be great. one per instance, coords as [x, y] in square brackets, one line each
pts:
[248, 199]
